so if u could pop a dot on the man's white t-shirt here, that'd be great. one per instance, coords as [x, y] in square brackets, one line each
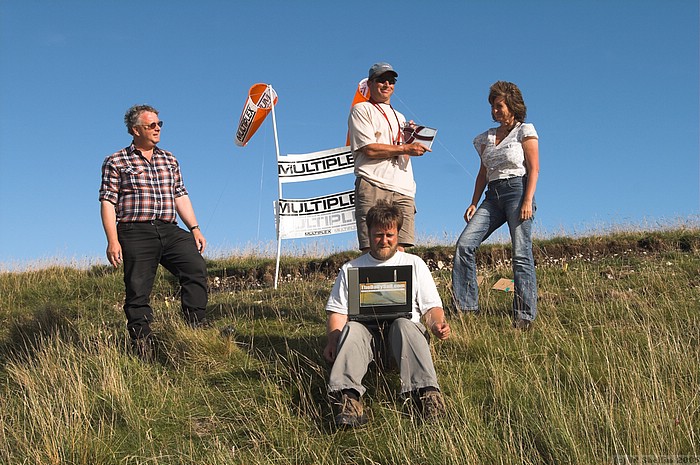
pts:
[368, 125]
[425, 293]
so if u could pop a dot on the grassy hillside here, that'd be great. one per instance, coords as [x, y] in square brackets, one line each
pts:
[609, 374]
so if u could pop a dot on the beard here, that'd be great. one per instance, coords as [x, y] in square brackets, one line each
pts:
[384, 253]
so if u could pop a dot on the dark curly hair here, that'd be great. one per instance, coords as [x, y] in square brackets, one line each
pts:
[512, 96]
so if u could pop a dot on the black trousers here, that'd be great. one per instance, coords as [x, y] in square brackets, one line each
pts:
[144, 247]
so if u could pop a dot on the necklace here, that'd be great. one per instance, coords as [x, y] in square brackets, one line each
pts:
[395, 140]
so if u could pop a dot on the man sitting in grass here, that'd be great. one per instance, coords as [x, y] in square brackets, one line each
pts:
[353, 345]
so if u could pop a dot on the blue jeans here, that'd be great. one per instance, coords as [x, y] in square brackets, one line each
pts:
[502, 204]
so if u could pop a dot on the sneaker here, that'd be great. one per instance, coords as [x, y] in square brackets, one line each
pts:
[351, 413]
[432, 406]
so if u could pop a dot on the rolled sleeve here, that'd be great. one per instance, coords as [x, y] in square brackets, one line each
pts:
[178, 184]
[109, 188]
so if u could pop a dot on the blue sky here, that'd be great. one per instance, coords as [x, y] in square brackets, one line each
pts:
[611, 86]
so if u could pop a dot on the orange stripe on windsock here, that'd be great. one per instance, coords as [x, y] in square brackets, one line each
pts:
[361, 95]
[261, 97]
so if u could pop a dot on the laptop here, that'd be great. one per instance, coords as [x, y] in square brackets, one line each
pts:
[380, 293]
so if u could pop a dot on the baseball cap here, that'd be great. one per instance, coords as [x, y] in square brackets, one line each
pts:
[378, 69]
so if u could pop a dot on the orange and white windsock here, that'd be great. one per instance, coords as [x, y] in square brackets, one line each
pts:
[361, 95]
[261, 98]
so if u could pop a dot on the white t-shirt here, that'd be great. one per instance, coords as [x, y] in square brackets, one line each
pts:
[506, 159]
[368, 125]
[425, 293]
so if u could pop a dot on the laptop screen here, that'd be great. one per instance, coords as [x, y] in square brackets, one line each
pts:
[380, 293]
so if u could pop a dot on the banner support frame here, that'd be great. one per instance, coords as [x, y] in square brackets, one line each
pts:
[279, 189]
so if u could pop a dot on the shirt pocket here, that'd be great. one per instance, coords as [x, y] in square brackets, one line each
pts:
[133, 177]
[166, 175]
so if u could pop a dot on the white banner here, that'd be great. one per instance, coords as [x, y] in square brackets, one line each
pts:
[320, 216]
[316, 165]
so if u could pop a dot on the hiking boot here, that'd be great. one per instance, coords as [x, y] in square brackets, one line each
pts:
[204, 323]
[351, 414]
[432, 406]
[522, 324]
[144, 348]
[228, 331]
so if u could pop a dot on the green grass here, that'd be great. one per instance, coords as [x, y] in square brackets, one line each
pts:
[609, 374]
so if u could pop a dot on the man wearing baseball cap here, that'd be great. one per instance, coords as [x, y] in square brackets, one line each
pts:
[383, 168]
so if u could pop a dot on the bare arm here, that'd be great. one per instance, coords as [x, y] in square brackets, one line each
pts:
[109, 223]
[334, 326]
[479, 186]
[435, 321]
[532, 165]
[377, 150]
[184, 208]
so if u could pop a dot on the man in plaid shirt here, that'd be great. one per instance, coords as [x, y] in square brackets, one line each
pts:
[140, 196]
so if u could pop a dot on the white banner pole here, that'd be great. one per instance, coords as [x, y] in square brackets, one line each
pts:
[279, 187]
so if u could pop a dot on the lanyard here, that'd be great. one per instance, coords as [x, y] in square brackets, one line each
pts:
[394, 140]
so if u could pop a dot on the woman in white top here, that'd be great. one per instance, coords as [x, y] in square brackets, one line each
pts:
[509, 167]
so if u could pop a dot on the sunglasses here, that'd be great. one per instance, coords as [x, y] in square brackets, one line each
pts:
[152, 125]
[380, 80]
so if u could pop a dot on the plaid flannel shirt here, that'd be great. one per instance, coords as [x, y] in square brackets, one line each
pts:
[142, 191]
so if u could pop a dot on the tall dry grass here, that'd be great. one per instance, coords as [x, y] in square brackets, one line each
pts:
[608, 375]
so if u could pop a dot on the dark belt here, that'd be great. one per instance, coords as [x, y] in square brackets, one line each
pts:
[148, 222]
[501, 181]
